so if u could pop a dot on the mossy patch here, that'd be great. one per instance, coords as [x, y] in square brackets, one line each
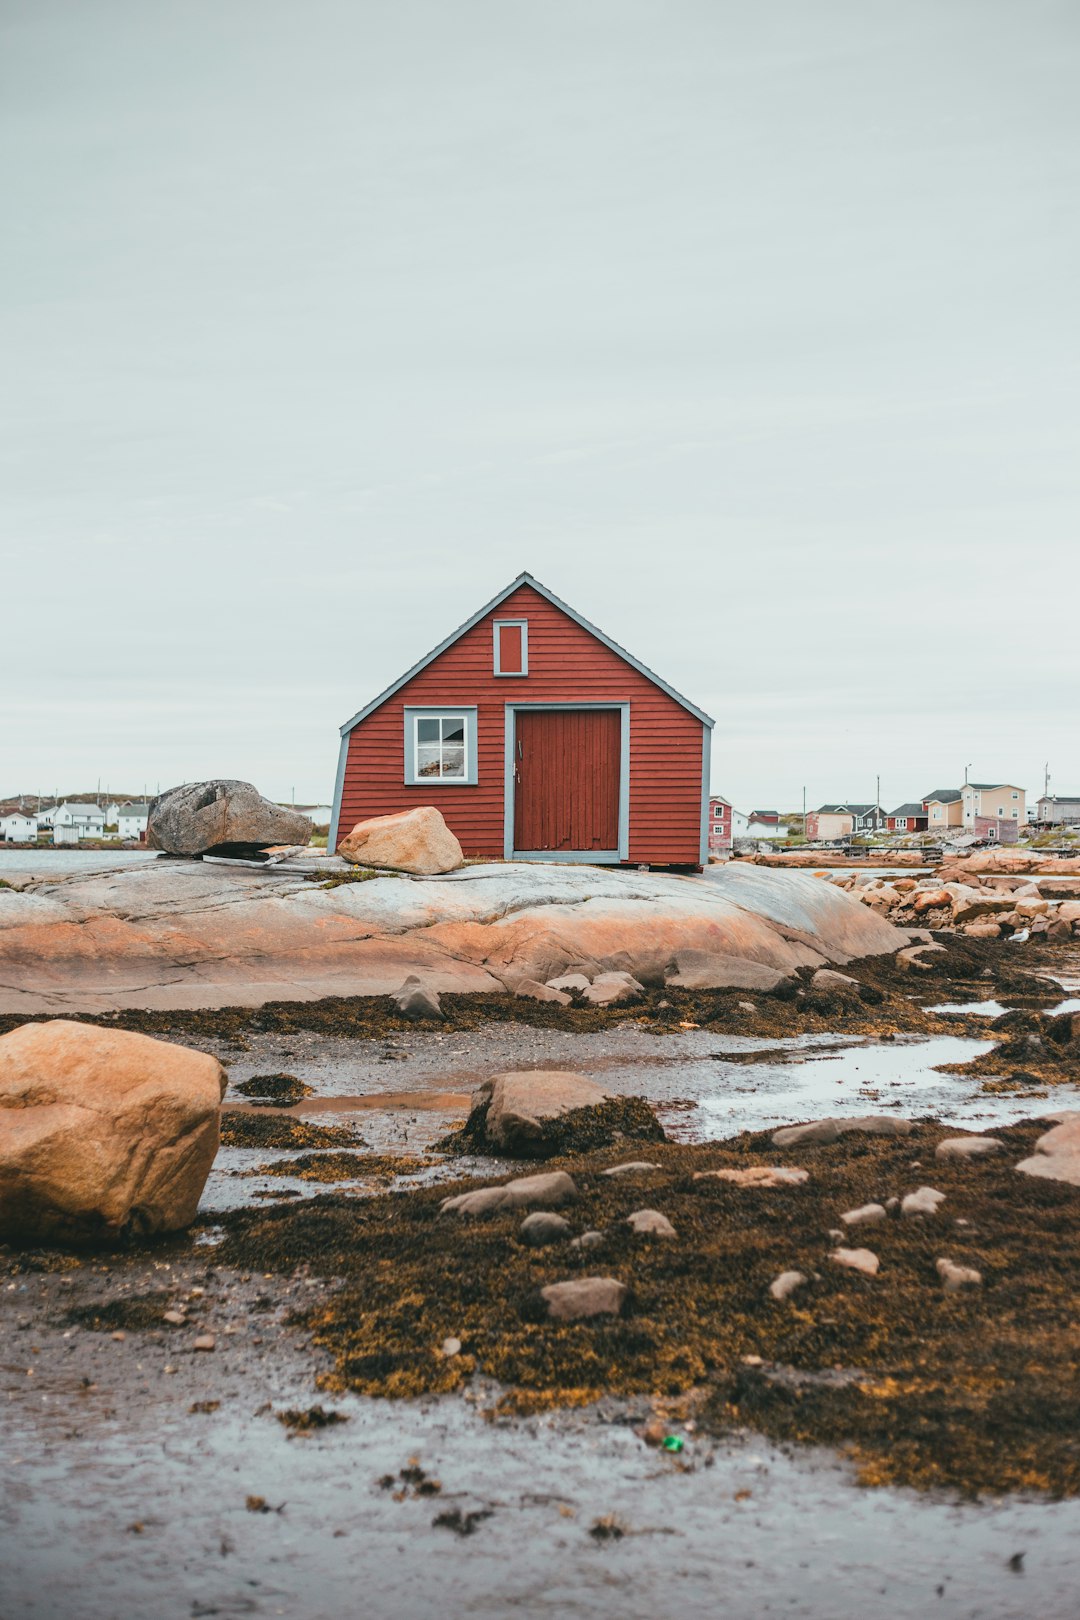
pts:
[135, 1314]
[979, 1389]
[242, 1129]
[274, 1090]
[581, 1130]
[345, 1166]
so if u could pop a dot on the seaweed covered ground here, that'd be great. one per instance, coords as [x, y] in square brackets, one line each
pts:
[243, 1129]
[978, 1389]
[887, 998]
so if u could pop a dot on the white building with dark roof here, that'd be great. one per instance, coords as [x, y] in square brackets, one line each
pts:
[76, 821]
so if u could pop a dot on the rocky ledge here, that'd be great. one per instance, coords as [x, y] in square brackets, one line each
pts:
[187, 934]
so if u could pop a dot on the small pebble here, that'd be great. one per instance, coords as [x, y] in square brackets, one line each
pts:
[923, 1202]
[451, 1347]
[955, 1277]
[205, 1341]
[786, 1283]
[120, 1336]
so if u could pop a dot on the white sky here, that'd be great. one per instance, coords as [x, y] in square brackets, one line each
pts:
[750, 330]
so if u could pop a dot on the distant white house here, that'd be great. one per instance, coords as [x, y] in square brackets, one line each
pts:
[318, 814]
[131, 820]
[18, 828]
[75, 821]
[112, 813]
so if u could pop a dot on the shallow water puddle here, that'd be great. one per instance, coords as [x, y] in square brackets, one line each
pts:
[981, 1009]
[864, 1077]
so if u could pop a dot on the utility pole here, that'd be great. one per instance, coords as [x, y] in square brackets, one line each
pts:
[877, 803]
[1046, 780]
[804, 812]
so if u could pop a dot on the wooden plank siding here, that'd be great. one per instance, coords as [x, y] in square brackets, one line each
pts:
[566, 665]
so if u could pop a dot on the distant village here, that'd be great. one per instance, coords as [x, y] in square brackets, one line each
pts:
[975, 813]
[26, 820]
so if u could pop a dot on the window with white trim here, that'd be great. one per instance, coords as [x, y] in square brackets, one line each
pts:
[440, 746]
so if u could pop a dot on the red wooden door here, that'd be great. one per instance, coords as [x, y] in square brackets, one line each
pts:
[566, 779]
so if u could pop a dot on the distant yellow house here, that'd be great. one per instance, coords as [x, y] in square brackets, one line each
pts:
[998, 801]
[944, 808]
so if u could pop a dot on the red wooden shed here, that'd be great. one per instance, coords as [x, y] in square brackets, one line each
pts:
[538, 738]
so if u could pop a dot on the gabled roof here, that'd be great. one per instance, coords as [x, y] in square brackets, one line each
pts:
[133, 810]
[942, 796]
[985, 787]
[1059, 798]
[846, 809]
[908, 810]
[718, 798]
[93, 810]
[489, 607]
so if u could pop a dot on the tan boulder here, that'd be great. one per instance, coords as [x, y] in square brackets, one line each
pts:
[931, 900]
[967, 908]
[583, 1297]
[756, 1175]
[519, 1103]
[1057, 1153]
[103, 1131]
[411, 841]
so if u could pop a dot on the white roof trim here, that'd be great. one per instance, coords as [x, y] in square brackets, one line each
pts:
[489, 607]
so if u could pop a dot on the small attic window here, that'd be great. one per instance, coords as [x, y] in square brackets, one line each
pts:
[511, 646]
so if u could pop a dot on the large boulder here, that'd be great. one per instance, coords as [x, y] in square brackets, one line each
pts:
[104, 1132]
[411, 841]
[221, 817]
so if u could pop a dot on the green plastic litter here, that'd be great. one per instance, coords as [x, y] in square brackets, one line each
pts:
[673, 1442]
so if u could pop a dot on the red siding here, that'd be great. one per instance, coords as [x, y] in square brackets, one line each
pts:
[566, 665]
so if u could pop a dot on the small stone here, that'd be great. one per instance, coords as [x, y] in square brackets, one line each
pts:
[828, 979]
[553, 1187]
[533, 990]
[955, 1277]
[543, 1226]
[177, 1318]
[752, 1361]
[417, 1000]
[923, 1202]
[631, 1168]
[830, 1130]
[967, 1147]
[746, 1006]
[757, 1175]
[119, 1335]
[613, 990]
[651, 1223]
[451, 1347]
[864, 1260]
[587, 1240]
[865, 1215]
[786, 1283]
[583, 1297]
[205, 1341]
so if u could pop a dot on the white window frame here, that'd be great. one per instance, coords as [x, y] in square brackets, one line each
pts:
[441, 711]
[512, 624]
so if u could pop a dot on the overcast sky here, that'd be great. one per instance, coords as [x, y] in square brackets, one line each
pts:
[751, 330]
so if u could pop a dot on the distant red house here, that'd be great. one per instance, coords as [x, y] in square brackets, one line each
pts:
[719, 824]
[538, 738]
[908, 818]
[996, 828]
[769, 818]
